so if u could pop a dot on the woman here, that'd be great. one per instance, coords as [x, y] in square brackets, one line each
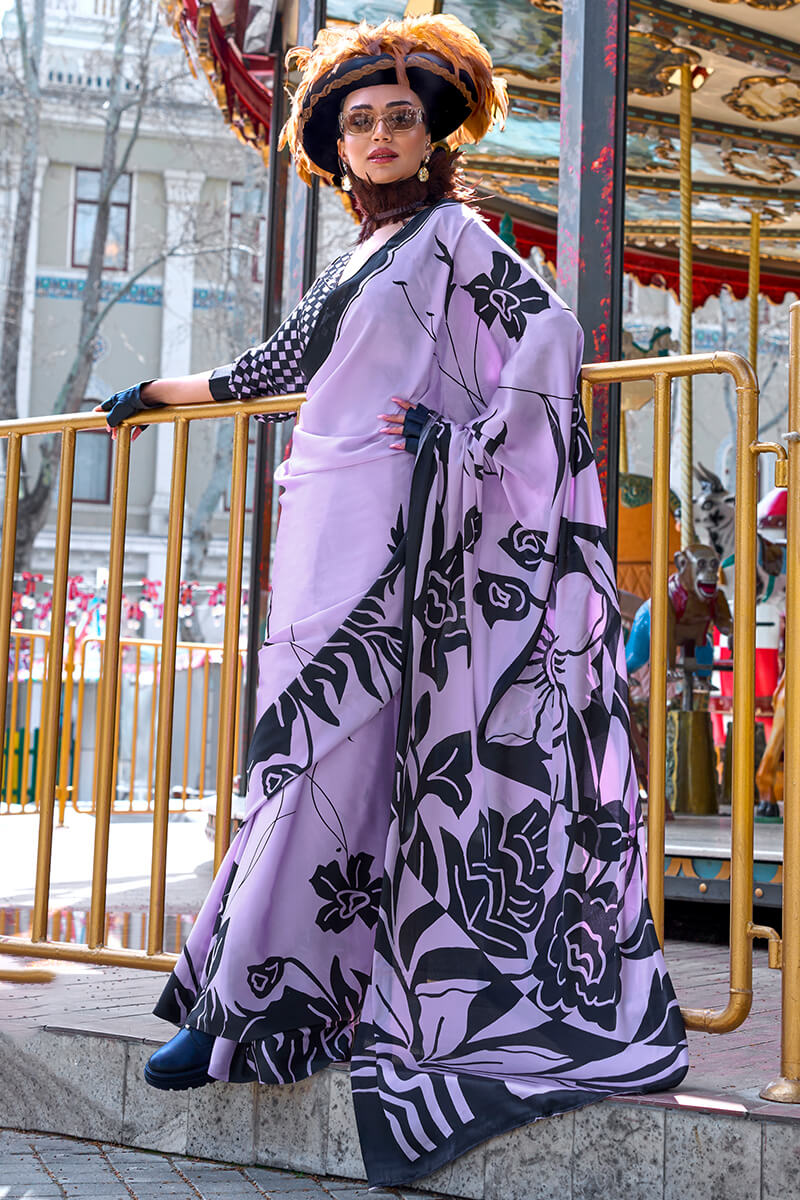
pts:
[440, 876]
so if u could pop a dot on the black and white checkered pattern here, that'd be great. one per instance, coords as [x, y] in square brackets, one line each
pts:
[274, 367]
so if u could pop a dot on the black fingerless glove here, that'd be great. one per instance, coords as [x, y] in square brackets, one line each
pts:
[127, 403]
[414, 422]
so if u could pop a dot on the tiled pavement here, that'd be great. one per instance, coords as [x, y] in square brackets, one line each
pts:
[36, 1166]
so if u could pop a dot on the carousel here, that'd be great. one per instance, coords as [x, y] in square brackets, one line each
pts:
[706, 167]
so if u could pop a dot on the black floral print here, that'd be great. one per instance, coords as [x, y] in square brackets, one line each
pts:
[525, 546]
[439, 607]
[582, 454]
[261, 979]
[500, 294]
[497, 879]
[472, 529]
[347, 897]
[502, 597]
[578, 935]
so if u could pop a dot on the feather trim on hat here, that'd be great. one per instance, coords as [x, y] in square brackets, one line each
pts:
[444, 35]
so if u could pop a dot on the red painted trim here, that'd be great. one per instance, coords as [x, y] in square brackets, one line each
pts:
[235, 69]
[662, 269]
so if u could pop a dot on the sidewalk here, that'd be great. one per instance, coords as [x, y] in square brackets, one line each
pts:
[35, 1166]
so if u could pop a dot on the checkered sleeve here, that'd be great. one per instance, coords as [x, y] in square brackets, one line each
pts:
[274, 368]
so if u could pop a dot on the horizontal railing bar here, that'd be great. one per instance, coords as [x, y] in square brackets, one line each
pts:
[133, 642]
[55, 422]
[636, 370]
[75, 952]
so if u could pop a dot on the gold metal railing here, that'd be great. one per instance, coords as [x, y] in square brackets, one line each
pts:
[662, 371]
[20, 787]
[783, 953]
[37, 943]
[20, 781]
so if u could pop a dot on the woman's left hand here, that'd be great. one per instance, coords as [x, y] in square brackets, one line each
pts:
[394, 423]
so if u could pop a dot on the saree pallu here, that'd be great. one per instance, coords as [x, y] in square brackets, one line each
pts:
[440, 876]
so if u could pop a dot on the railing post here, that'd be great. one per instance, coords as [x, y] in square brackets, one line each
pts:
[661, 371]
[107, 692]
[786, 1088]
[229, 671]
[10, 505]
[657, 750]
[52, 691]
[66, 727]
[166, 690]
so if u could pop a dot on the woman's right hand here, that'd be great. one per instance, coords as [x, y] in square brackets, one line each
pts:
[181, 389]
[126, 404]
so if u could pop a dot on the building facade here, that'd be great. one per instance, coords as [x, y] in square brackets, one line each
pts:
[186, 221]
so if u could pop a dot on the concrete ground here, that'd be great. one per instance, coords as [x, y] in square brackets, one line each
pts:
[38, 1166]
[190, 856]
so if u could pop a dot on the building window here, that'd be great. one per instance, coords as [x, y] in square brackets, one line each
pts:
[92, 463]
[87, 194]
[247, 252]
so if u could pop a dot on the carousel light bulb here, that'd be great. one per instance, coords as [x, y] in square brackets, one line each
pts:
[699, 75]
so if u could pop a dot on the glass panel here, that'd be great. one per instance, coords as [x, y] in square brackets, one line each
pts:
[117, 240]
[121, 192]
[87, 184]
[238, 260]
[236, 198]
[84, 228]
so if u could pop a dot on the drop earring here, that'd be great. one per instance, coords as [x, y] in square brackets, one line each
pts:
[423, 174]
[346, 184]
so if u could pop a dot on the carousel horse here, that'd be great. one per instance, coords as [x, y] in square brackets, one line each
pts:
[714, 512]
[696, 602]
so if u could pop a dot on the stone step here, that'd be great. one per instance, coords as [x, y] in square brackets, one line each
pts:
[666, 1147]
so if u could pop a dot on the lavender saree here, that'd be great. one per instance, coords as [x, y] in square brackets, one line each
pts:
[440, 876]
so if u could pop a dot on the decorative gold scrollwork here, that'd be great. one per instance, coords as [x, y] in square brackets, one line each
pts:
[761, 166]
[765, 97]
[652, 59]
[764, 5]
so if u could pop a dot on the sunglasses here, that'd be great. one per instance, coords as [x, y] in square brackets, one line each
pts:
[360, 122]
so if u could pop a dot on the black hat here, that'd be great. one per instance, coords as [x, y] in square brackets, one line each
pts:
[442, 60]
[448, 99]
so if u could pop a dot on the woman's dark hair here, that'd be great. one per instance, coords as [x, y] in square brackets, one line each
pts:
[377, 204]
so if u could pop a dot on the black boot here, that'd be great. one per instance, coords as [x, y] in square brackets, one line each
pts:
[181, 1063]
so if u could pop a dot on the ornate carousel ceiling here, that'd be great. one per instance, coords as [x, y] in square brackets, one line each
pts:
[746, 121]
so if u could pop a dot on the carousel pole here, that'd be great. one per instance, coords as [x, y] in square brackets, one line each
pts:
[261, 527]
[302, 201]
[591, 206]
[754, 283]
[290, 270]
[685, 268]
